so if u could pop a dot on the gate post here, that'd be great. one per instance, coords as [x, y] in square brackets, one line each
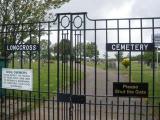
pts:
[3, 64]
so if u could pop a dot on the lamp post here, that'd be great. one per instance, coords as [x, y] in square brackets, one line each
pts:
[156, 41]
[157, 60]
[157, 63]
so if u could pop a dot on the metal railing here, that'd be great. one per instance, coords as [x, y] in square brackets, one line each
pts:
[72, 75]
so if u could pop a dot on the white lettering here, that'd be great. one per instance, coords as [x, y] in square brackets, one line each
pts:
[141, 47]
[21, 47]
[123, 46]
[132, 46]
[136, 46]
[146, 46]
[19, 79]
[8, 48]
[127, 47]
[113, 47]
[34, 47]
[118, 47]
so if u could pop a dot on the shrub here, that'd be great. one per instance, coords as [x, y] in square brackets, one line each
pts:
[125, 62]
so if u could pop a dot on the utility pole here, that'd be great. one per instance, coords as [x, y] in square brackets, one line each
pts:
[157, 64]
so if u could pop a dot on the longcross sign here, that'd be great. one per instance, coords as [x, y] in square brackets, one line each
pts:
[22, 47]
[129, 46]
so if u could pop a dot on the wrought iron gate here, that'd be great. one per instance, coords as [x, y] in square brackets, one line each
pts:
[73, 80]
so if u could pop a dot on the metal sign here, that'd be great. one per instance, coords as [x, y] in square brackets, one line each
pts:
[130, 89]
[21, 47]
[129, 47]
[79, 99]
[19, 79]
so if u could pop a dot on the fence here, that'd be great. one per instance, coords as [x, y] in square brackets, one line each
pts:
[72, 78]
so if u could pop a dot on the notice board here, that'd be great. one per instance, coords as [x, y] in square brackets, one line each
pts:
[18, 79]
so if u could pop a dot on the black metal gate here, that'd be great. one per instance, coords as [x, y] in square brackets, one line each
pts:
[82, 69]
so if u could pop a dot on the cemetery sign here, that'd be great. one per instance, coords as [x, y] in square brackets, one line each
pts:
[129, 46]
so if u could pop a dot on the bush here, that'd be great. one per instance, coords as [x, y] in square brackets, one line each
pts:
[125, 62]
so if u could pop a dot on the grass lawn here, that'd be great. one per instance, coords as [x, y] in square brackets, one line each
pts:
[45, 80]
[146, 75]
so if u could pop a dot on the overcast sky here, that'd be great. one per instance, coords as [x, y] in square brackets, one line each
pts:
[104, 9]
[113, 8]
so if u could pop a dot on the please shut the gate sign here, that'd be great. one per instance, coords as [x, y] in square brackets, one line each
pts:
[125, 89]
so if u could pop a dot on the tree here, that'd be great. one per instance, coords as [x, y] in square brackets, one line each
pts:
[34, 55]
[119, 56]
[78, 50]
[31, 54]
[46, 50]
[147, 57]
[22, 11]
[64, 49]
[91, 49]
